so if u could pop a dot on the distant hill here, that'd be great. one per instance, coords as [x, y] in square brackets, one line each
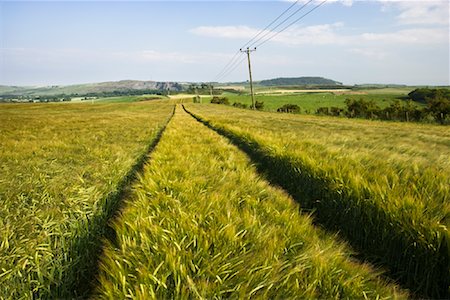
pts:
[91, 88]
[299, 81]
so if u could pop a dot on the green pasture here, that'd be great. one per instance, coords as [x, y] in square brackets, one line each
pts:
[311, 101]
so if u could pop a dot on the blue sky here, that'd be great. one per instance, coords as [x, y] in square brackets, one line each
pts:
[66, 42]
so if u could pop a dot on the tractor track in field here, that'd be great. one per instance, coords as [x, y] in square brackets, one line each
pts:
[83, 286]
[159, 217]
[265, 166]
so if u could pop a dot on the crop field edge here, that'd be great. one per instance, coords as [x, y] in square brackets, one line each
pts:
[415, 277]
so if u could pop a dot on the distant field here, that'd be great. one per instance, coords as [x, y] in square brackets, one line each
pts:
[62, 166]
[129, 98]
[395, 91]
[309, 102]
[384, 186]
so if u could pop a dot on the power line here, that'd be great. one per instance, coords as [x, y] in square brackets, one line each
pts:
[290, 24]
[281, 23]
[227, 66]
[230, 65]
[259, 40]
[276, 19]
[236, 64]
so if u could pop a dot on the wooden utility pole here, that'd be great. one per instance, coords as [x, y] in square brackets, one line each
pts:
[248, 50]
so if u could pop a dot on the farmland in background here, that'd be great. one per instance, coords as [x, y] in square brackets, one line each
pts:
[385, 187]
[310, 101]
[62, 168]
[201, 223]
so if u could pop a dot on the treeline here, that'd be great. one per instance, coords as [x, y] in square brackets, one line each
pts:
[121, 93]
[437, 108]
[27, 98]
[84, 96]
[259, 105]
[425, 95]
[202, 89]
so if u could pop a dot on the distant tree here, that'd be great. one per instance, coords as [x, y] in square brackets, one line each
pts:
[419, 95]
[220, 100]
[422, 94]
[240, 105]
[289, 108]
[361, 108]
[323, 111]
[439, 106]
[336, 111]
[192, 88]
[259, 105]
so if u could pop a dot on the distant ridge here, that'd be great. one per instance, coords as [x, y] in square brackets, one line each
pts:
[283, 81]
[92, 88]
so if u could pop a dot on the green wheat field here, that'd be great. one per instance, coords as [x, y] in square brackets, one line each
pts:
[169, 199]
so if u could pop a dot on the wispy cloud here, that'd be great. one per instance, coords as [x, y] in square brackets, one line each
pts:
[419, 12]
[232, 32]
[296, 35]
[409, 36]
[343, 2]
[370, 53]
[409, 11]
[141, 56]
[328, 34]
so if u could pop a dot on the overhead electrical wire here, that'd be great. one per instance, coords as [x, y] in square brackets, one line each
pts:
[267, 27]
[260, 39]
[290, 24]
[231, 65]
[281, 23]
[228, 66]
[233, 61]
[237, 64]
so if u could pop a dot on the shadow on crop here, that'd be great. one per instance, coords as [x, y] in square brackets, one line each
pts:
[81, 271]
[379, 239]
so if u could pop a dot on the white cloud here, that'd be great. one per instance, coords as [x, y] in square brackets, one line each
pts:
[234, 32]
[152, 55]
[323, 34]
[343, 2]
[419, 12]
[28, 55]
[296, 35]
[409, 36]
[370, 53]
[328, 34]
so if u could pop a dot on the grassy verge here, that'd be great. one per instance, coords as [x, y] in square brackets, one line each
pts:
[201, 223]
[64, 167]
[384, 187]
